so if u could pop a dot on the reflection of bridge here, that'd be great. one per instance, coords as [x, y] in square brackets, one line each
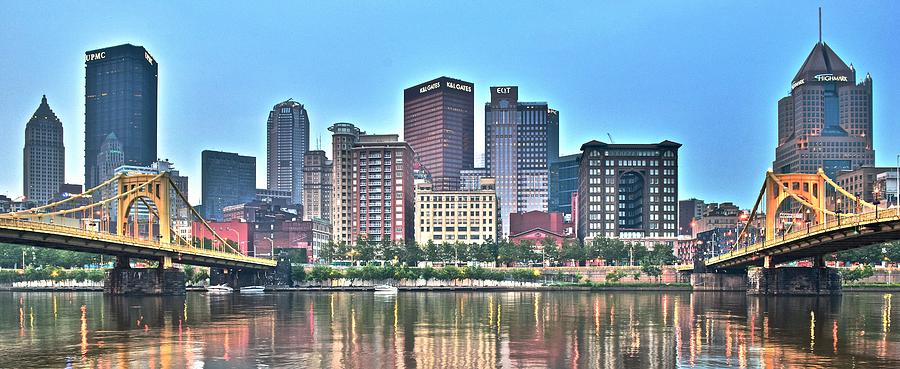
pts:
[807, 216]
[143, 207]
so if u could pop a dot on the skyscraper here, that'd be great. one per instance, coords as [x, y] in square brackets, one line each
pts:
[563, 183]
[628, 191]
[826, 121]
[317, 186]
[287, 141]
[382, 197]
[44, 155]
[439, 125]
[521, 140]
[227, 179]
[110, 156]
[120, 98]
[344, 136]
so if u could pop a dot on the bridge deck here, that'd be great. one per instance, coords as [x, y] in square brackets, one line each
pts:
[821, 239]
[74, 239]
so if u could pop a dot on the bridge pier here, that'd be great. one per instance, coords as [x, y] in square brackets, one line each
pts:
[793, 281]
[162, 280]
[237, 278]
[718, 282]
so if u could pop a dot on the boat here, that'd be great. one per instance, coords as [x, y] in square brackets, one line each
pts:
[253, 289]
[383, 289]
[219, 289]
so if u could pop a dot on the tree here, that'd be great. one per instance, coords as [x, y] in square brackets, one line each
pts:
[550, 250]
[431, 251]
[365, 250]
[525, 252]
[389, 250]
[572, 250]
[506, 252]
[342, 251]
[446, 252]
[411, 253]
[650, 269]
[613, 251]
[328, 251]
[662, 254]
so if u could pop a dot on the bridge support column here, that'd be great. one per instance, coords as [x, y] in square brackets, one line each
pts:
[793, 281]
[236, 278]
[163, 280]
[718, 282]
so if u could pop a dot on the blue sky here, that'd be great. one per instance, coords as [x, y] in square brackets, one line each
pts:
[707, 74]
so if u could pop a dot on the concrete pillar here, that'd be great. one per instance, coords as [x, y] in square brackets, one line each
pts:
[767, 262]
[793, 281]
[162, 280]
[718, 282]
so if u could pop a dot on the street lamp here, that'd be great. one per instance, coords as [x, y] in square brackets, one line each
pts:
[271, 247]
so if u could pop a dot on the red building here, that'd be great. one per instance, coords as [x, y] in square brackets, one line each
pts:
[536, 225]
[234, 230]
[382, 189]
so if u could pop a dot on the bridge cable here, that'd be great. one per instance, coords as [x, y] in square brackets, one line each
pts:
[205, 224]
[63, 201]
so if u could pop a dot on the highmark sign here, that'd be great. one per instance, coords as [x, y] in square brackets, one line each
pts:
[824, 77]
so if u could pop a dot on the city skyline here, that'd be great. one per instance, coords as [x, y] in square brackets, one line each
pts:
[751, 119]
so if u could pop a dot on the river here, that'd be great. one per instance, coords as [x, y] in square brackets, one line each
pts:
[449, 330]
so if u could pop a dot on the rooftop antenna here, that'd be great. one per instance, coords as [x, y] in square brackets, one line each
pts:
[820, 24]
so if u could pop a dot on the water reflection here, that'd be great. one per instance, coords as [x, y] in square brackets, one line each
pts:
[449, 330]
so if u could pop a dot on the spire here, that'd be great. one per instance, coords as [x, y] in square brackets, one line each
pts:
[43, 111]
[820, 24]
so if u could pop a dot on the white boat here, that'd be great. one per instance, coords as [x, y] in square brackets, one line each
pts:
[253, 289]
[383, 289]
[219, 289]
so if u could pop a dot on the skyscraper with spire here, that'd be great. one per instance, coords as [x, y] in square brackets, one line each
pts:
[44, 154]
[826, 121]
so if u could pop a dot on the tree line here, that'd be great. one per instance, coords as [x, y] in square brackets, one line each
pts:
[501, 253]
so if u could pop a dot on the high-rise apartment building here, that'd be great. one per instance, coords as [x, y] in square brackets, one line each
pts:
[456, 216]
[826, 121]
[120, 97]
[521, 140]
[343, 137]
[688, 210]
[44, 155]
[227, 179]
[439, 124]
[563, 183]
[382, 192]
[287, 142]
[317, 186]
[628, 191]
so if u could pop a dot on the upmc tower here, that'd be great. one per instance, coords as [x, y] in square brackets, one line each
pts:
[826, 121]
[119, 98]
[439, 125]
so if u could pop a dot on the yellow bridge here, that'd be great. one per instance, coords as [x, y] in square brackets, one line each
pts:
[143, 228]
[836, 220]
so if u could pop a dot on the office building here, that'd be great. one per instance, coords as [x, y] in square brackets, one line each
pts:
[343, 137]
[470, 179]
[274, 197]
[439, 124]
[628, 191]
[563, 183]
[826, 121]
[44, 155]
[521, 140]
[688, 210]
[227, 179]
[317, 186]
[456, 216]
[861, 181]
[287, 142]
[885, 189]
[120, 97]
[382, 192]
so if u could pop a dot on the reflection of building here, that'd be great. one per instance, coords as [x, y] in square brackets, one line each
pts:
[439, 124]
[628, 191]
[287, 142]
[228, 179]
[344, 136]
[317, 186]
[563, 183]
[826, 121]
[120, 98]
[521, 140]
[861, 181]
[456, 216]
[44, 154]
[382, 192]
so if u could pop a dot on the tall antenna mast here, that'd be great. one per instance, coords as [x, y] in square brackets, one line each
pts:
[820, 24]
